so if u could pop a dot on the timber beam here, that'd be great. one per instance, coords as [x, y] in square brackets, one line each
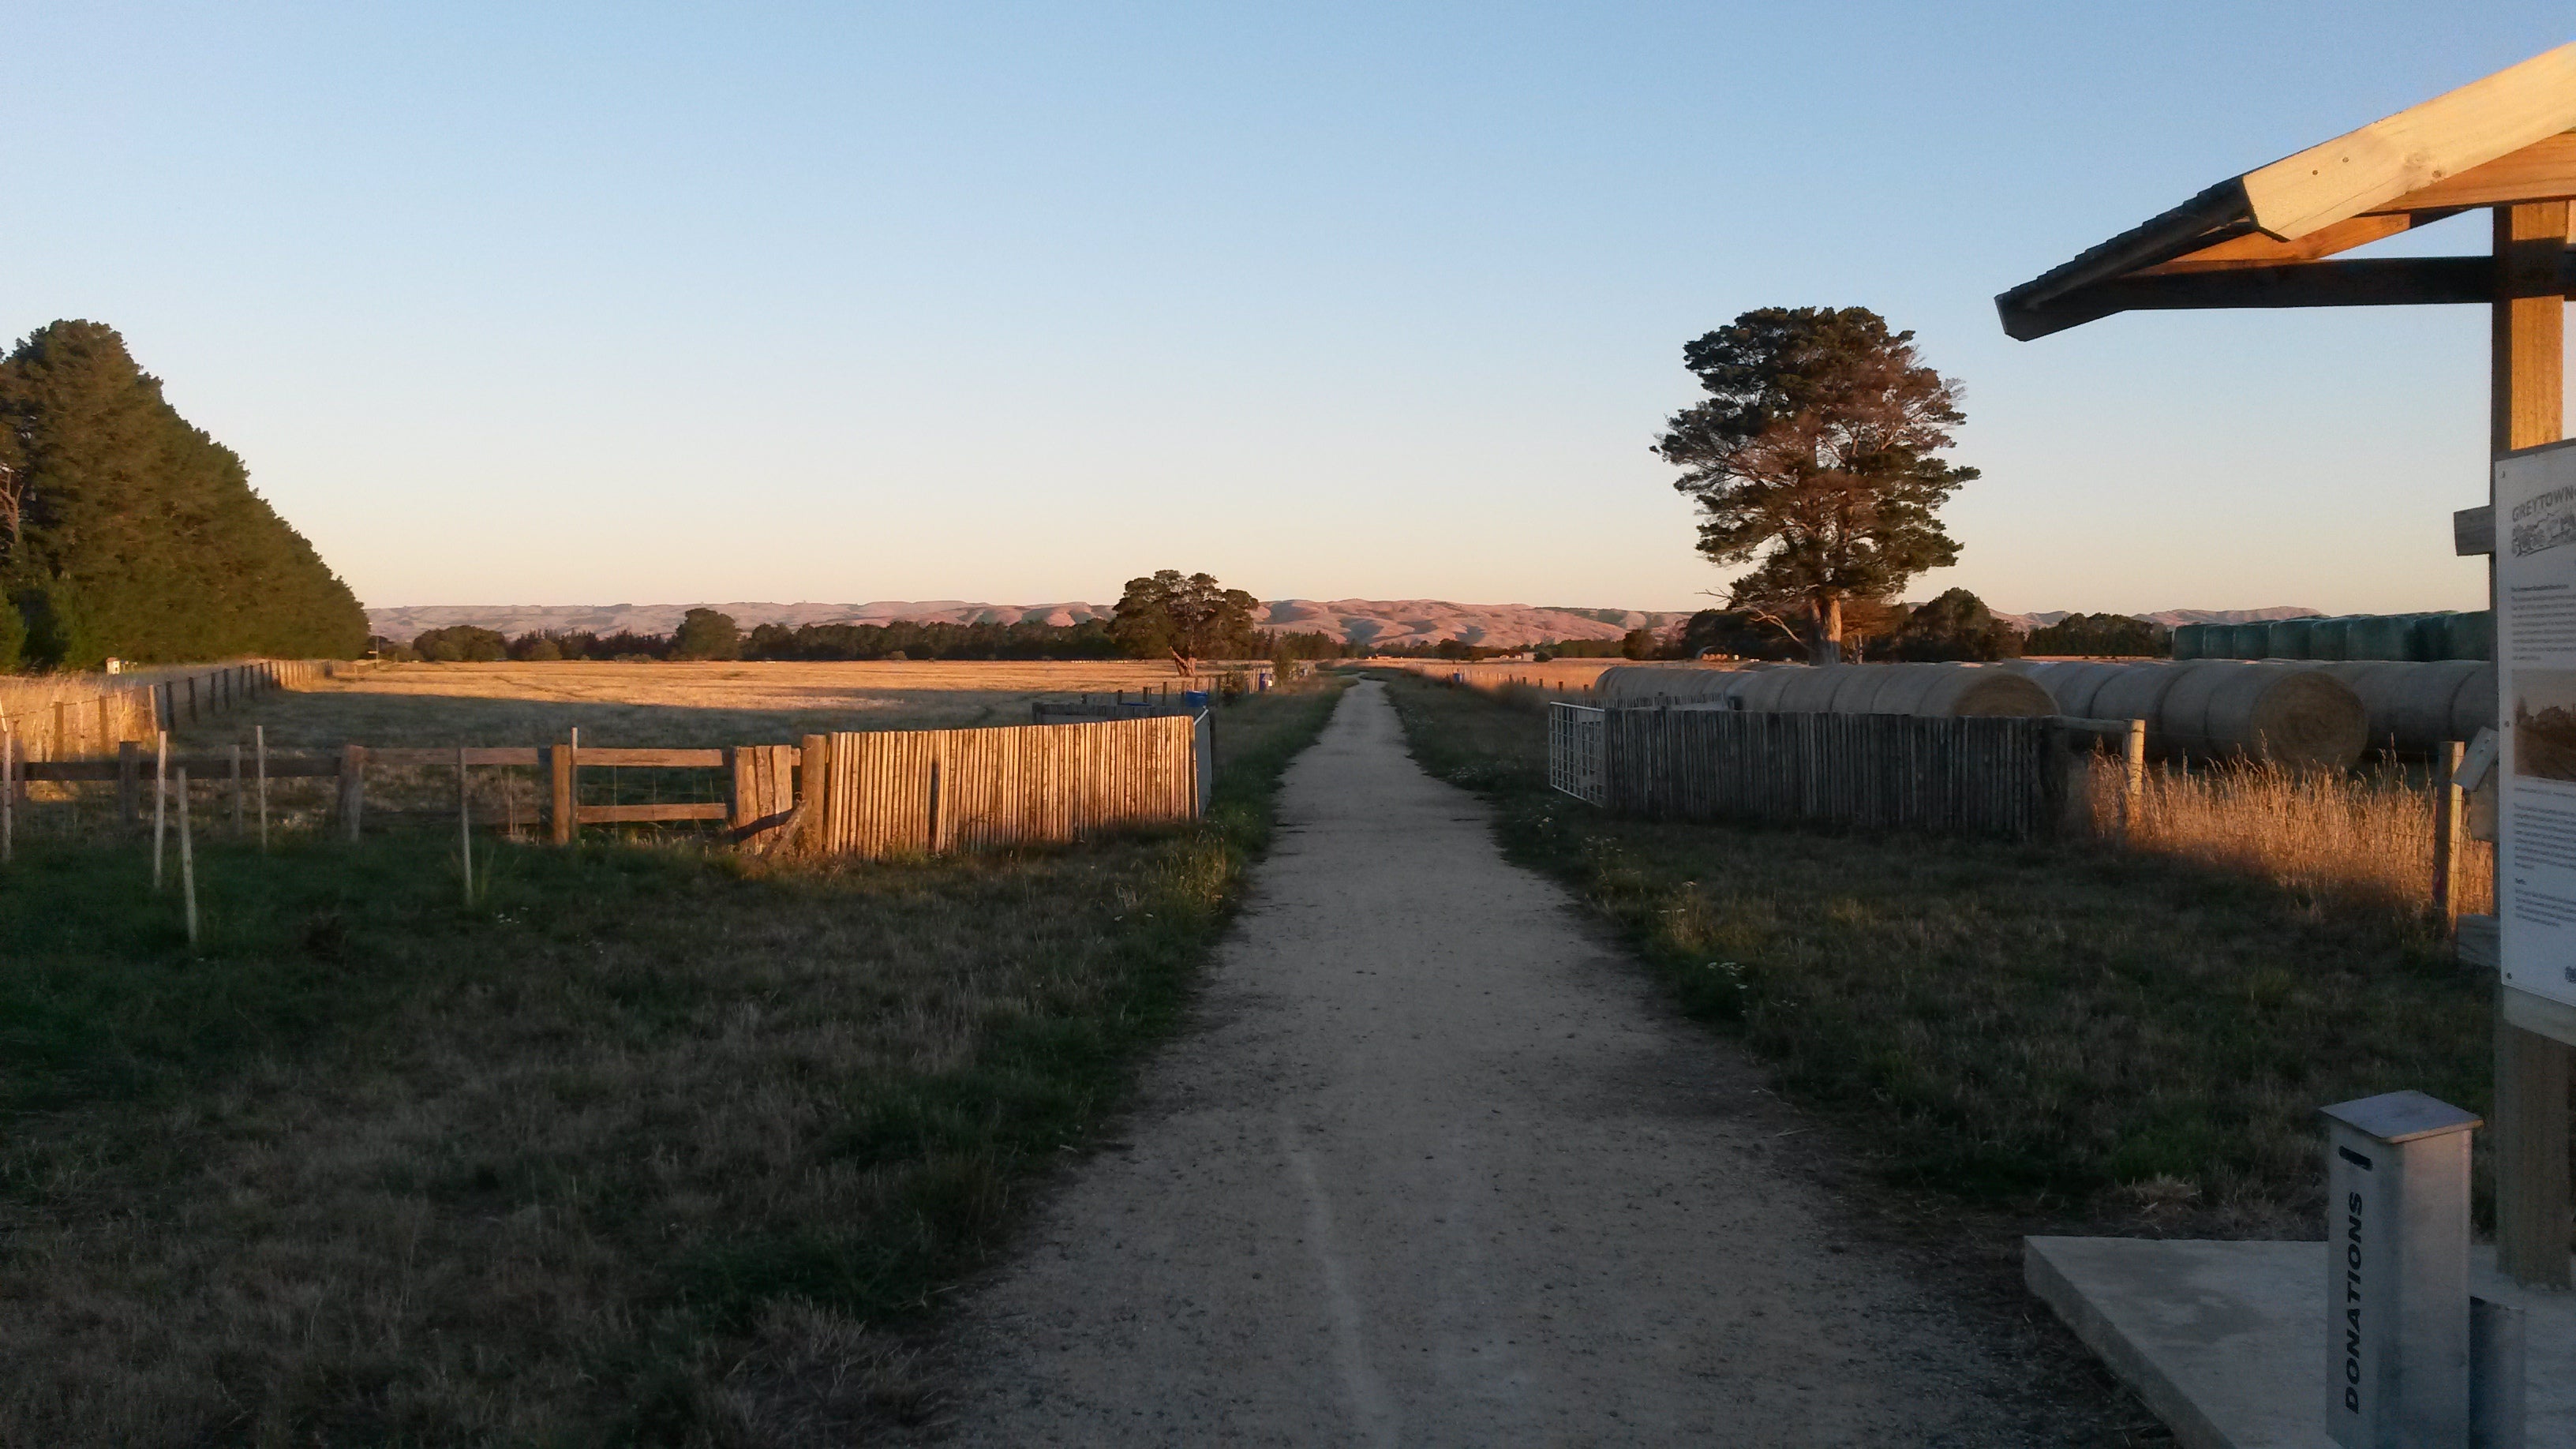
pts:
[2373, 282]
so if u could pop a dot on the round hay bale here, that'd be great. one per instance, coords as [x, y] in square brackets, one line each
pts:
[2293, 714]
[2427, 637]
[2137, 691]
[2378, 636]
[1854, 687]
[2473, 704]
[1959, 690]
[1627, 686]
[2186, 640]
[2293, 638]
[2408, 706]
[2471, 635]
[1762, 692]
[1924, 689]
[2074, 686]
[2330, 638]
[1811, 690]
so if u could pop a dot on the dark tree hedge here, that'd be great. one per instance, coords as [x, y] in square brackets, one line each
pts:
[125, 531]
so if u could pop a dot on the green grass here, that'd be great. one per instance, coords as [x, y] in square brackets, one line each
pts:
[2051, 1030]
[648, 1146]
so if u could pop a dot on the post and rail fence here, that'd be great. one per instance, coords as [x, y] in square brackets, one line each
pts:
[870, 794]
[52, 721]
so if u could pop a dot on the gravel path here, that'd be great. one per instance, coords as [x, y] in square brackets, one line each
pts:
[1437, 1167]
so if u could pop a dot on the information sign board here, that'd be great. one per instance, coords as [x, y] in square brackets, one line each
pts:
[2535, 586]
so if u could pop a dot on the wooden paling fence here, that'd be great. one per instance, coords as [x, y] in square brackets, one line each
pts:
[927, 791]
[869, 794]
[90, 720]
[1976, 776]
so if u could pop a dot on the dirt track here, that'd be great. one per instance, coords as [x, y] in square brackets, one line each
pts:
[1437, 1168]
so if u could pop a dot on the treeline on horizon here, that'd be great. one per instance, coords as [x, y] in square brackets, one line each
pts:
[1956, 626]
[1092, 639]
[128, 533]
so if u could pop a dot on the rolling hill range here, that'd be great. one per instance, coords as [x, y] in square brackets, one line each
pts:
[1366, 621]
[1380, 622]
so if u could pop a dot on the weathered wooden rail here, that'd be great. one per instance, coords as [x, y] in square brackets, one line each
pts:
[871, 794]
[50, 727]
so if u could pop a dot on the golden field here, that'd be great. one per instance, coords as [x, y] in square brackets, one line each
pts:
[694, 704]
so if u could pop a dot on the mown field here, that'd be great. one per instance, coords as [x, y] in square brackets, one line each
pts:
[2051, 1035]
[649, 1145]
[680, 704]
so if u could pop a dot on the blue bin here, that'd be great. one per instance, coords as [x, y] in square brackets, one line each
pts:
[1195, 698]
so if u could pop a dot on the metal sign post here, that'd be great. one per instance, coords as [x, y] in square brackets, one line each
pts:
[2397, 1272]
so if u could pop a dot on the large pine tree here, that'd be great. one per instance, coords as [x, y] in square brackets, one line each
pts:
[125, 531]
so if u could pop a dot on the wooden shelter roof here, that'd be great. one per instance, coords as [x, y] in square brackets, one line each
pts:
[2262, 239]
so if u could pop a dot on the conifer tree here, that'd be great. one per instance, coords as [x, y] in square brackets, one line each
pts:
[125, 531]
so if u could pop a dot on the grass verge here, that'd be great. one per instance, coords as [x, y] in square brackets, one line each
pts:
[648, 1146]
[2060, 1033]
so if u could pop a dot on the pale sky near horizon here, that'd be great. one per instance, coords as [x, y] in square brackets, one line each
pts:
[651, 303]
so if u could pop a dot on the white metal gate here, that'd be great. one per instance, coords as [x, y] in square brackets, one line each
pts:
[1574, 735]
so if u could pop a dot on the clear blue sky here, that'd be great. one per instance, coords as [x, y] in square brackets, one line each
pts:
[664, 303]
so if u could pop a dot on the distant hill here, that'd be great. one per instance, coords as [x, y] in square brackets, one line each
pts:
[2169, 617]
[1380, 622]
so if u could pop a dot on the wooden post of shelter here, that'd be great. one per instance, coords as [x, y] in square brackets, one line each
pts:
[2527, 408]
[2269, 238]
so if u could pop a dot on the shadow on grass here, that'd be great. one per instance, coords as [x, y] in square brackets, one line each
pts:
[655, 1146]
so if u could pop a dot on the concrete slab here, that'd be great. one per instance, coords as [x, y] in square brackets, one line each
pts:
[2222, 1339]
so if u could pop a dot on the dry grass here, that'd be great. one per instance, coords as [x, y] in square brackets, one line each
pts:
[2362, 840]
[730, 703]
[2082, 1037]
[652, 1147]
[1572, 678]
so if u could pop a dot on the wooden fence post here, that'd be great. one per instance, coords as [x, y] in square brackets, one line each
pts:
[237, 791]
[129, 786]
[160, 800]
[259, 751]
[62, 731]
[187, 860]
[465, 825]
[353, 789]
[559, 759]
[2133, 777]
[814, 789]
[2450, 827]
